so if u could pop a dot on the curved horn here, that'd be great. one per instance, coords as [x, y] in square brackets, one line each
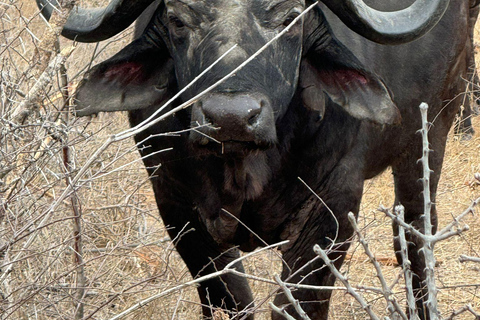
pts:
[389, 27]
[92, 25]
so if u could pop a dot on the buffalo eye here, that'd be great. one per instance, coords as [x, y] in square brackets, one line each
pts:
[289, 20]
[176, 22]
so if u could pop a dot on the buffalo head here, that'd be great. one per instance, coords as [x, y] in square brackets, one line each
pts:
[183, 38]
[245, 107]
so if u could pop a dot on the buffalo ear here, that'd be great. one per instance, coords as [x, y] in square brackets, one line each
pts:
[139, 76]
[333, 69]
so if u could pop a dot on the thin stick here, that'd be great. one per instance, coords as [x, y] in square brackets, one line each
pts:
[464, 309]
[281, 311]
[465, 258]
[25, 108]
[406, 263]
[393, 307]
[365, 306]
[448, 228]
[291, 298]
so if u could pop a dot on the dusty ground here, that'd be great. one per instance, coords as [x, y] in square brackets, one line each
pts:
[127, 255]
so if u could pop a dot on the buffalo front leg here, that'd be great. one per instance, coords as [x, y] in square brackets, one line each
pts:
[203, 256]
[303, 266]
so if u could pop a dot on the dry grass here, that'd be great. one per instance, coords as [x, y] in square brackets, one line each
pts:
[127, 255]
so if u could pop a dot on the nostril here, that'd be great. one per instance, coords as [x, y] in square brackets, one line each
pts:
[253, 119]
[207, 120]
[253, 115]
[254, 112]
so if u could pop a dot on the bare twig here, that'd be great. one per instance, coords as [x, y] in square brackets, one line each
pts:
[406, 263]
[281, 311]
[393, 307]
[365, 306]
[68, 167]
[428, 244]
[465, 258]
[290, 298]
[25, 108]
[449, 231]
[467, 308]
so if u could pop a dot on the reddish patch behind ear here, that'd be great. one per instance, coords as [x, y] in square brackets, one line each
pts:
[347, 76]
[142, 75]
[128, 72]
[360, 93]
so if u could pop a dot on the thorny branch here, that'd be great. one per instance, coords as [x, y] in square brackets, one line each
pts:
[36, 228]
[428, 244]
[467, 308]
[354, 293]
[465, 258]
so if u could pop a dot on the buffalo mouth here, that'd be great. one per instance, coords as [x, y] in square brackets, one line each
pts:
[210, 145]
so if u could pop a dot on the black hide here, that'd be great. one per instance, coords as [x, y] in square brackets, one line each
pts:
[319, 114]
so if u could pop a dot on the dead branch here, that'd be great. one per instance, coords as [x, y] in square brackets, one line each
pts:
[393, 307]
[350, 290]
[44, 66]
[291, 299]
[412, 309]
[25, 108]
[465, 258]
[467, 308]
[281, 311]
[428, 244]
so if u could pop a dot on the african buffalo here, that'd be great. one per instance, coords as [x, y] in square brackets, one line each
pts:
[306, 107]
